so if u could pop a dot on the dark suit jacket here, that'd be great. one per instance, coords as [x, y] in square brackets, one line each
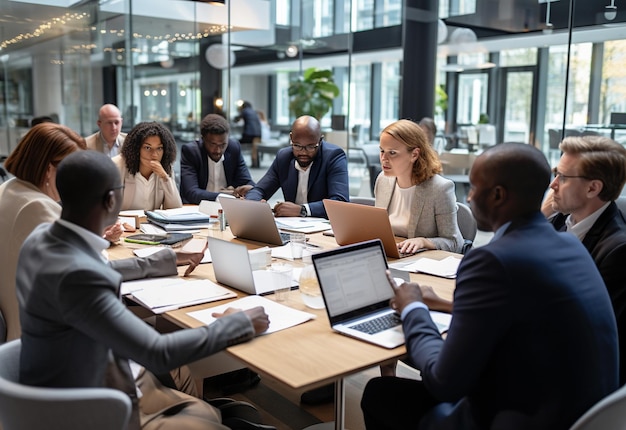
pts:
[72, 317]
[328, 178]
[194, 171]
[533, 341]
[251, 122]
[606, 242]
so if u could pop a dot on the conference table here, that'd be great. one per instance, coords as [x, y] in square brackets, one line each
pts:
[308, 355]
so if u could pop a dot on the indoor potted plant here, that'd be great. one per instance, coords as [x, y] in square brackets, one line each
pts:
[312, 93]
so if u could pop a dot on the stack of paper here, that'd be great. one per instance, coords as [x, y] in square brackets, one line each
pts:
[445, 268]
[303, 225]
[281, 316]
[166, 294]
[180, 219]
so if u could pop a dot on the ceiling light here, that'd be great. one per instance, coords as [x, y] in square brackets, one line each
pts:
[610, 11]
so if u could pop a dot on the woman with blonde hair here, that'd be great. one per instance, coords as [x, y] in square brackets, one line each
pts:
[29, 199]
[145, 166]
[421, 203]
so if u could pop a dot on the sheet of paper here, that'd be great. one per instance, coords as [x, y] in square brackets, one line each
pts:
[128, 223]
[303, 225]
[187, 209]
[149, 228]
[442, 320]
[188, 247]
[281, 316]
[165, 294]
[445, 268]
[133, 213]
[284, 252]
[209, 207]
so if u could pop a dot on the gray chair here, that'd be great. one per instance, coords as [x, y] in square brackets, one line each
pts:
[371, 151]
[369, 201]
[621, 204]
[24, 407]
[608, 414]
[467, 225]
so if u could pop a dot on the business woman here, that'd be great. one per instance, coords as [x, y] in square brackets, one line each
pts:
[145, 166]
[421, 203]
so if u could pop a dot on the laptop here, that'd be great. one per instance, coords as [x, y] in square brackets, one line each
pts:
[253, 220]
[353, 223]
[356, 293]
[232, 267]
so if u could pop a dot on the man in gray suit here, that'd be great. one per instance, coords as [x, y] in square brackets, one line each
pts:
[76, 331]
[109, 139]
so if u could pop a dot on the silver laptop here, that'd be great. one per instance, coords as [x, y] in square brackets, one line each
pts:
[356, 293]
[353, 223]
[252, 220]
[232, 267]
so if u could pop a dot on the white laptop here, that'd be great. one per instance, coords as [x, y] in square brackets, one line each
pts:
[231, 265]
[353, 223]
[356, 293]
[252, 220]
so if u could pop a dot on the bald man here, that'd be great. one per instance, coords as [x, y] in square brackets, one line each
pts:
[109, 139]
[309, 171]
[532, 322]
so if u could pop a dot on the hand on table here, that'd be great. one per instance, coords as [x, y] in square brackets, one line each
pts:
[189, 258]
[113, 232]
[260, 320]
[286, 209]
[404, 294]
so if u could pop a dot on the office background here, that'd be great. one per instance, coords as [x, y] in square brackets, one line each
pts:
[487, 70]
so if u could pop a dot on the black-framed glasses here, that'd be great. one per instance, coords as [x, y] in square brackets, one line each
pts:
[307, 148]
[562, 178]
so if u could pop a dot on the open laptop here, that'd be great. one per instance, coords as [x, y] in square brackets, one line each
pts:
[232, 267]
[356, 293]
[252, 220]
[353, 223]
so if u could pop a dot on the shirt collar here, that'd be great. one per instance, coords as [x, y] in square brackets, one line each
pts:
[583, 226]
[500, 231]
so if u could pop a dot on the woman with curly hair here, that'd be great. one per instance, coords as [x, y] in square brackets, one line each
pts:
[421, 203]
[145, 166]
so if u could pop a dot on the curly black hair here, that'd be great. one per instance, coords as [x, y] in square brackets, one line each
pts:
[134, 140]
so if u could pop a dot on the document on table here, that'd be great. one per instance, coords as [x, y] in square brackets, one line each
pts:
[445, 268]
[281, 316]
[193, 246]
[303, 225]
[169, 293]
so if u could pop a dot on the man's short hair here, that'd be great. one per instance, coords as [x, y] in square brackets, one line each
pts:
[213, 124]
[601, 158]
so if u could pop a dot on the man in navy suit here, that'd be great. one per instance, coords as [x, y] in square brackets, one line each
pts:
[533, 341]
[588, 179]
[308, 172]
[213, 164]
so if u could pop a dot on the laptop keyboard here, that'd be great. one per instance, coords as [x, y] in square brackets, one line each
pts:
[284, 236]
[379, 324]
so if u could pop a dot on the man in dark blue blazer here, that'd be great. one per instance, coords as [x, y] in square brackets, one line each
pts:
[308, 172]
[533, 341]
[588, 179]
[213, 164]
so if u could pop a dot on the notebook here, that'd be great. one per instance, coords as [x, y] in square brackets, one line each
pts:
[356, 293]
[353, 223]
[232, 267]
[252, 220]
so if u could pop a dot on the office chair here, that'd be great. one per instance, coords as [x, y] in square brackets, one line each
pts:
[608, 414]
[3, 174]
[621, 204]
[467, 225]
[24, 407]
[372, 161]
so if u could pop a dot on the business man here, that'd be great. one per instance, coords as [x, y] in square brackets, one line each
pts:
[308, 172]
[588, 179]
[73, 321]
[213, 165]
[109, 139]
[532, 322]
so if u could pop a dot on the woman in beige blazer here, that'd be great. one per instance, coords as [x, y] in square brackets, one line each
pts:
[29, 199]
[145, 166]
[420, 202]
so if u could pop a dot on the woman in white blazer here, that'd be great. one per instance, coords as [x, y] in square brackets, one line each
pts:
[421, 203]
[145, 166]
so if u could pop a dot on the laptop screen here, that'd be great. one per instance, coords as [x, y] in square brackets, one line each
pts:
[352, 279]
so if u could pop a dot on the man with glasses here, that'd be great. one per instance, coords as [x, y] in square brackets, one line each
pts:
[109, 139]
[309, 171]
[588, 179]
[213, 165]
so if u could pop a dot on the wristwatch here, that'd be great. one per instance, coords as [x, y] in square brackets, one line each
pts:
[303, 210]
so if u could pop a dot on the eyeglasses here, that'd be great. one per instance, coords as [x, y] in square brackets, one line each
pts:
[149, 149]
[562, 178]
[307, 148]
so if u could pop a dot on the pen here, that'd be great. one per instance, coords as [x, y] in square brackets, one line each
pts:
[312, 245]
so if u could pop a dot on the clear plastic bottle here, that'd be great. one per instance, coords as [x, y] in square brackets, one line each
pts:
[309, 287]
